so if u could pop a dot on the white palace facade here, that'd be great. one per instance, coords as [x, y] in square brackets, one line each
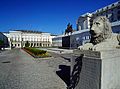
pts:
[18, 38]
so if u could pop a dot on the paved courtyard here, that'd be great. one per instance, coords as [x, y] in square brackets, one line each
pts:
[18, 70]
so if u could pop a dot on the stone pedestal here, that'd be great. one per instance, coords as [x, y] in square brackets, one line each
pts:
[95, 70]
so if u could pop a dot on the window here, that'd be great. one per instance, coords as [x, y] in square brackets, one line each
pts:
[107, 15]
[34, 44]
[101, 14]
[31, 44]
[83, 38]
[22, 39]
[97, 11]
[112, 4]
[107, 7]
[40, 44]
[87, 37]
[112, 17]
[118, 7]
[118, 15]
[118, 12]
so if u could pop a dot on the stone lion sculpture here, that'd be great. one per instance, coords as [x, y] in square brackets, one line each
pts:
[102, 37]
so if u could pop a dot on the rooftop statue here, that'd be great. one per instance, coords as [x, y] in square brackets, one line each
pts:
[102, 37]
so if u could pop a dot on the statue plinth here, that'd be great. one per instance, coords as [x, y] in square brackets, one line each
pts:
[95, 69]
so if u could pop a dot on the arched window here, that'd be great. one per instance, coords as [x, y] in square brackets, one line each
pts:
[40, 44]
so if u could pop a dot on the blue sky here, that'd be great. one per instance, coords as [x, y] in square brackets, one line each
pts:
[45, 15]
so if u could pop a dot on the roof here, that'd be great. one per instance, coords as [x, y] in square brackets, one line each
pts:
[29, 31]
[53, 35]
[113, 5]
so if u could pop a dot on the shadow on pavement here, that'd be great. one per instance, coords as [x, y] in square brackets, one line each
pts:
[6, 62]
[64, 73]
[75, 75]
[71, 77]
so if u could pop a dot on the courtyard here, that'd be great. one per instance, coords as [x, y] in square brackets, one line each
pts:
[19, 70]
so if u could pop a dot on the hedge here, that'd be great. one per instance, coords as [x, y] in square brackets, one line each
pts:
[1, 42]
[35, 51]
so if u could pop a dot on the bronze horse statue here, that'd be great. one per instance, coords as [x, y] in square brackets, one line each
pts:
[69, 29]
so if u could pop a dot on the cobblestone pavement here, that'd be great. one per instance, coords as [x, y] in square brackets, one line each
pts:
[18, 70]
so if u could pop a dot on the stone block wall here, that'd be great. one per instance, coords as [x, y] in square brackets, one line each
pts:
[95, 70]
[110, 71]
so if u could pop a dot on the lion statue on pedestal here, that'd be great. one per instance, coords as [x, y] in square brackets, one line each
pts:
[102, 37]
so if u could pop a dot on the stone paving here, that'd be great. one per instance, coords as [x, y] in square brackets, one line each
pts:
[18, 70]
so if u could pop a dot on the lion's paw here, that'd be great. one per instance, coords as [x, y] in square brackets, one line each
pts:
[87, 46]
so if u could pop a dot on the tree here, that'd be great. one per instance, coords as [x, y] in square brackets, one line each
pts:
[27, 44]
[1, 43]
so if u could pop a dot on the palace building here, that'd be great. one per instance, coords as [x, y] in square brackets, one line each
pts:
[18, 38]
[82, 36]
[112, 12]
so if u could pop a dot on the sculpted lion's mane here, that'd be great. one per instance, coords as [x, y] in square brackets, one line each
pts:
[102, 37]
[106, 30]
